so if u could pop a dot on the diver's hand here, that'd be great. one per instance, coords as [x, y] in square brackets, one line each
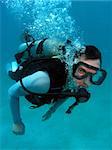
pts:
[47, 115]
[18, 128]
[55, 106]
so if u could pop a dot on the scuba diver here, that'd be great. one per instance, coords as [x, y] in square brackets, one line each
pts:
[42, 76]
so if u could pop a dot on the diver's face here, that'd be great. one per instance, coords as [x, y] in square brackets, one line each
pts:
[86, 81]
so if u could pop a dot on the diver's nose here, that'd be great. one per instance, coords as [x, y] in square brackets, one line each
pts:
[87, 81]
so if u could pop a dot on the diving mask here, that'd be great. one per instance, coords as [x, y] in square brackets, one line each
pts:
[96, 75]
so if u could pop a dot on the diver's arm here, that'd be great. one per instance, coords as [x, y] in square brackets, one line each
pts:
[14, 93]
[38, 82]
[53, 108]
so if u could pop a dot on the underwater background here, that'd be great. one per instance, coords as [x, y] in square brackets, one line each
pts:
[89, 127]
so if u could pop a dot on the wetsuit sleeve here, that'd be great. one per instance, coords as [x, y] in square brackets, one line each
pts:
[39, 82]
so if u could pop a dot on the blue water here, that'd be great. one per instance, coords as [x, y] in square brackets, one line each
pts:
[89, 127]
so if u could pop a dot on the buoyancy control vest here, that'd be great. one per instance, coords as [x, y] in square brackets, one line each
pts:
[57, 73]
[53, 66]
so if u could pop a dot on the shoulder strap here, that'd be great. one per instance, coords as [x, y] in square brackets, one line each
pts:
[28, 49]
[18, 56]
[40, 47]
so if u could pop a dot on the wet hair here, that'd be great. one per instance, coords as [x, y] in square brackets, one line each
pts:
[92, 52]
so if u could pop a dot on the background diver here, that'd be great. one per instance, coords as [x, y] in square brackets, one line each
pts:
[42, 74]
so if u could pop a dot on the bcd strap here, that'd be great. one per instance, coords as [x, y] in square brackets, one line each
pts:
[18, 56]
[28, 49]
[40, 47]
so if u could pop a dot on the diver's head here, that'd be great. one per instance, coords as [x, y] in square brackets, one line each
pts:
[87, 67]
